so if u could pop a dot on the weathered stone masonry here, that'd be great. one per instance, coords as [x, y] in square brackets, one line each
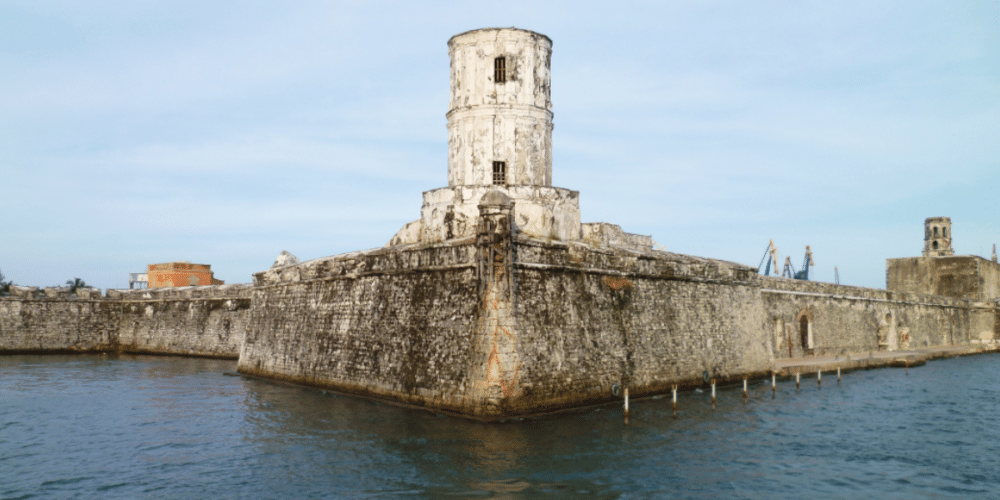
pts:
[812, 318]
[499, 302]
[505, 325]
[198, 321]
[590, 318]
[398, 325]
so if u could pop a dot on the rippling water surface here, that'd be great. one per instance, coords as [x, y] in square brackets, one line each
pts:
[103, 426]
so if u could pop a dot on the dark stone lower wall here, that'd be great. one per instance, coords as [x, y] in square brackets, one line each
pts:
[46, 325]
[418, 326]
[844, 319]
[195, 321]
[495, 326]
[392, 325]
[588, 320]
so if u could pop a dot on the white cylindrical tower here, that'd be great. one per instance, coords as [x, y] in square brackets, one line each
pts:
[499, 139]
[500, 118]
[937, 237]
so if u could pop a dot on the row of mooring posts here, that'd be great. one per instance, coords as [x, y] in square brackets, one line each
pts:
[746, 395]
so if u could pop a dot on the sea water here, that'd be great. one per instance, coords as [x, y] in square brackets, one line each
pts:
[107, 426]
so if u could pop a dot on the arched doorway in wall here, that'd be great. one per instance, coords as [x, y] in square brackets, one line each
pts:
[804, 334]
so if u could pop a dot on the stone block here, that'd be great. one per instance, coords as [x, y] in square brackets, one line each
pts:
[88, 293]
[25, 292]
[54, 292]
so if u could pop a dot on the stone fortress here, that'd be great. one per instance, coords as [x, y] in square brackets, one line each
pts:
[499, 302]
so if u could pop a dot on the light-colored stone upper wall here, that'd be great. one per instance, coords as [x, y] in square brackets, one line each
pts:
[960, 276]
[528, 59]
[539, 212]
[611, 235]
[519, 136]
[989, 271]
[509, 121]
[809, 317]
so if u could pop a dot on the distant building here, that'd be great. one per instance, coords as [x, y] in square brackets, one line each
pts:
[138, 280]
[176, 274]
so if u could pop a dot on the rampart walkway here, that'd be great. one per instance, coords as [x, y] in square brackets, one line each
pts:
[878, 359]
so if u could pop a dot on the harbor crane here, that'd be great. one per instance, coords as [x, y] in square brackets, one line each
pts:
[773, 250]
[803, 274]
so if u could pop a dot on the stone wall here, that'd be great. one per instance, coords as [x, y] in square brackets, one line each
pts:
[591, 318]
[398, 325]
[500, 325]
[808, 317]
[58, 324]
[437, 326]
[197, 321]
[962, 276]
[602, 234]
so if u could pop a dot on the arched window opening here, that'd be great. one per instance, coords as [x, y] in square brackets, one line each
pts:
[935, 231]
[935, 245]
[944, 232]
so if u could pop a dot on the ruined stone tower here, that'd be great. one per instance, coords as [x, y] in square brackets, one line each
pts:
[499, 138]
[937, 237]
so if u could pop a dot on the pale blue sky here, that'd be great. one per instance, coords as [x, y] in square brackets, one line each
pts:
[142, 132]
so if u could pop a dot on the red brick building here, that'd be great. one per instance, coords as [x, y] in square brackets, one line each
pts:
[173, 274]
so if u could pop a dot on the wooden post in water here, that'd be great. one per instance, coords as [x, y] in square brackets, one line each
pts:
[626, 405]
[744, 389]
[713, 393]
[774, 386]
[819, 379]
[838, 375]
[797, 380]
[675, 400]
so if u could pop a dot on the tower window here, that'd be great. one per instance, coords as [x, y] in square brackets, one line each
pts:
[500, 70]
[500, 173]
[935, 231]
[944, 232]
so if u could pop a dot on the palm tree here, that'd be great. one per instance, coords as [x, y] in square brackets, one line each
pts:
[74, 284]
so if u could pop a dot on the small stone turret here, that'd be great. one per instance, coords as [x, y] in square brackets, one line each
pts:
[937, 237]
